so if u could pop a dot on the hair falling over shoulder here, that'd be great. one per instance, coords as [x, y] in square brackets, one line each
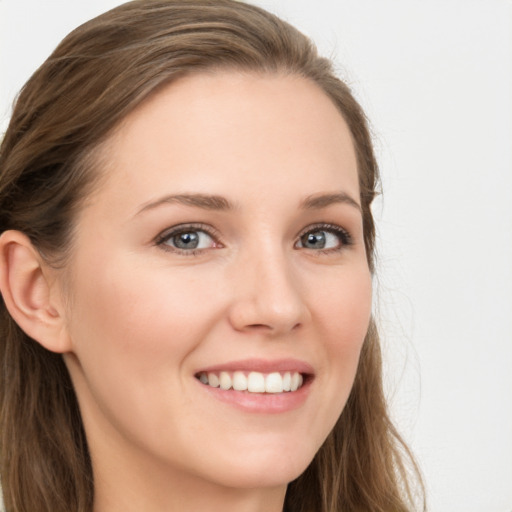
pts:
[96, 76]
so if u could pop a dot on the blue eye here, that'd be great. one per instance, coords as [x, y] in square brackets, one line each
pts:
[324, 238]
[186, 239]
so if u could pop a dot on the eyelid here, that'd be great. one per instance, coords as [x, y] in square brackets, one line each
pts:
[167, 233]
[345, 236]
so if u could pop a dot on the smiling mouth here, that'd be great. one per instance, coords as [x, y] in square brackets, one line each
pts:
[253, 382]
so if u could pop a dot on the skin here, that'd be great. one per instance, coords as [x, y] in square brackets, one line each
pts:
[140, 318]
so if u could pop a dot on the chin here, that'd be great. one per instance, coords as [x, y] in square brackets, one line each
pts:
[270, 477]
[263, 470]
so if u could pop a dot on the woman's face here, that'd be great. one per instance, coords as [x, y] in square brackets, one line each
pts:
[223, 248]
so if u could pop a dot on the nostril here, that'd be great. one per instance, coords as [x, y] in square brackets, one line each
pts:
[265, 327]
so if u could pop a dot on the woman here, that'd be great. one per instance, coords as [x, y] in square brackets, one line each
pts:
[187, 254]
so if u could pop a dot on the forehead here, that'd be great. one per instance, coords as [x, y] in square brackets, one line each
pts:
[204, 131]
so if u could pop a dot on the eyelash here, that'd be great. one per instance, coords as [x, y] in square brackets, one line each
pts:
[343, 235]
[185, 228]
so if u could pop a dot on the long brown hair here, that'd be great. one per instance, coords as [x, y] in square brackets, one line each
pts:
[97, 75]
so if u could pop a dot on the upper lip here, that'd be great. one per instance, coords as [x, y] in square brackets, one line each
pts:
[262, 366]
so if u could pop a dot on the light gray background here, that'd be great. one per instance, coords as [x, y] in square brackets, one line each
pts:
[435, 78]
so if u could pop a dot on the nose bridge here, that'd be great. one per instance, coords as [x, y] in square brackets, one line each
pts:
[267, 293]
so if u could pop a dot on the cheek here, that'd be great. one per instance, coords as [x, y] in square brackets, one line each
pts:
[132, 329]
[130, 324]
[343, 313]
[136, 309]
[344, 308]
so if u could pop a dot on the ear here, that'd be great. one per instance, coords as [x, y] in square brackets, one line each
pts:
[30, 292]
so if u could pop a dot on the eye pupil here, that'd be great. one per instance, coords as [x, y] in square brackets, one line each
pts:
[189, 240]
[314, 240]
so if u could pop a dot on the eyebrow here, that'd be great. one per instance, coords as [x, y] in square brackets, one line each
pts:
[220, 203]
[204, 201]
[319, 201]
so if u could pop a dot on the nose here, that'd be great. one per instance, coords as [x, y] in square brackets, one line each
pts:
[267, 295]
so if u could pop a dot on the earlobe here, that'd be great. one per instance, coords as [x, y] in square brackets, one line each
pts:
[29, 294]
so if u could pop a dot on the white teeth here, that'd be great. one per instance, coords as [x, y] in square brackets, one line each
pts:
[255, 382]
[225, 380]
[287, 381]
[213, 380]
[296, 381]
[274, 383]
[239, 381]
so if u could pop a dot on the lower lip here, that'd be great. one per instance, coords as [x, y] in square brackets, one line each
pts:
[262, 403]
